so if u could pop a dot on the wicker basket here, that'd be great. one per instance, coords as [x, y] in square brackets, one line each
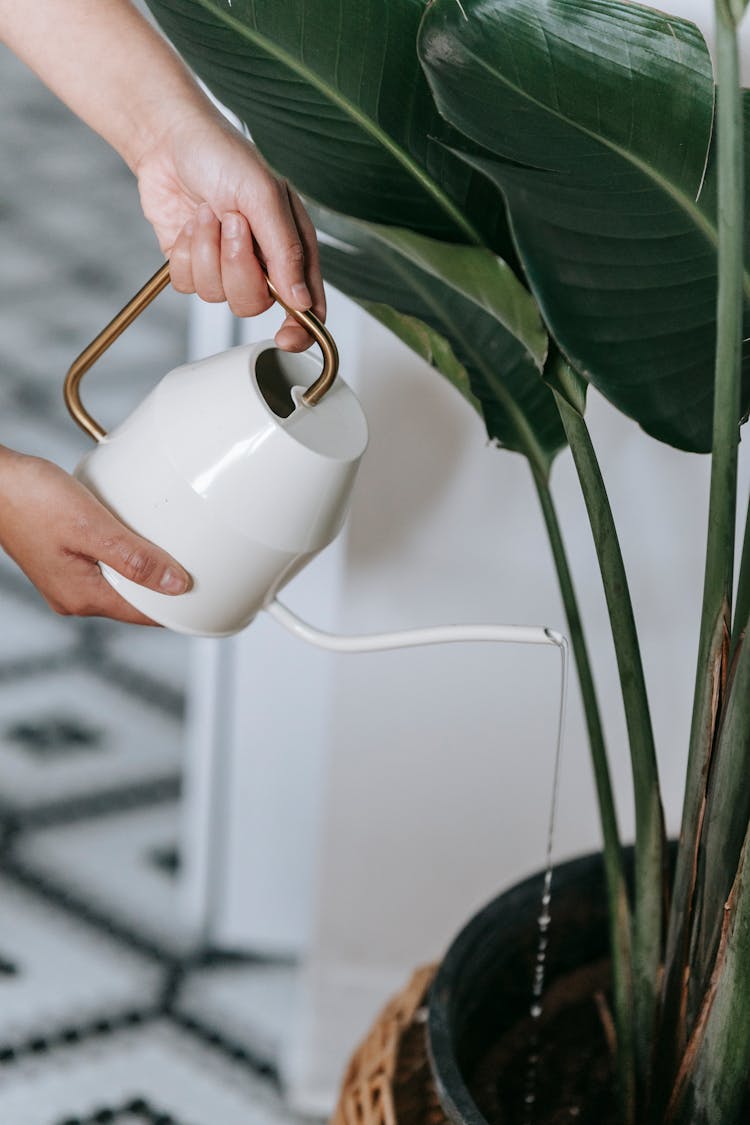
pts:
[388, 1079]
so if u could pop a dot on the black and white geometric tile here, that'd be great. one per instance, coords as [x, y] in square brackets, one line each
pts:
[68, 735]
[28, 630]
[154, 1073]
[110, 1011]
[140, 844]
[59, 971]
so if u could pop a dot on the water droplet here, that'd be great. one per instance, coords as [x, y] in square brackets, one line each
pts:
[536, 1011]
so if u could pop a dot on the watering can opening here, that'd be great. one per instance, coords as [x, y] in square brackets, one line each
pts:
[277, 373]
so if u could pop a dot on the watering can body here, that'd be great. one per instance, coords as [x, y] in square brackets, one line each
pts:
[226, 467]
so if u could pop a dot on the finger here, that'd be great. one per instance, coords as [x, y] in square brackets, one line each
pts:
[242, 276]
[106, 602]
[181, 260]
[135, 558]
[206, 256]
[84, 592]
[292, 337]
[276, 233]
[309, 237]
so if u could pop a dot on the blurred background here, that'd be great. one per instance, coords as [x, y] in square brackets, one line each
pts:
[218, 859]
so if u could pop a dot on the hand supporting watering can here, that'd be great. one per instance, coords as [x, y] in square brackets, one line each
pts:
[210, 199]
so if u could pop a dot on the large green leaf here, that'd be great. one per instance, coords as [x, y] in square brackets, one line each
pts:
[470, 299]
[595, 118]
[336, 100]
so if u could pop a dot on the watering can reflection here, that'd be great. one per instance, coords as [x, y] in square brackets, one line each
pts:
[240, 466]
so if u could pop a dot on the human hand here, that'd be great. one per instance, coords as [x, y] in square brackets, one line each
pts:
[57, 531]
[218, 212]
[185, 154]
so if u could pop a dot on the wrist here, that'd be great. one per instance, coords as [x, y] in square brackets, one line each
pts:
[158, 132]
[161, 110]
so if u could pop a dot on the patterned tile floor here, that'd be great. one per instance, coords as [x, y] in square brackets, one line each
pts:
[108, 1011]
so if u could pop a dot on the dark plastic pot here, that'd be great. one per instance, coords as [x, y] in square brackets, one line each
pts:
[483, 985]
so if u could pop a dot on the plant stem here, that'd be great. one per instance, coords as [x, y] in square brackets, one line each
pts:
[619, 907]
[725, 824]
[742, 604]
[649, 843]
[717, 590]
[712, 1083]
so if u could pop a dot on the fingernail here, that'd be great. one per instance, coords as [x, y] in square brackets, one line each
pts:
[172, 582]
[231, 225]
[205, 214]
[301, 294]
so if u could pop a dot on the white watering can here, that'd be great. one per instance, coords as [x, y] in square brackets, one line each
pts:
[240, 466]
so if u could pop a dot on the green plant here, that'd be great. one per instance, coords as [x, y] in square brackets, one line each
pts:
[537, 195]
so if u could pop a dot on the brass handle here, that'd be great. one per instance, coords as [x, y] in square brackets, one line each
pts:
[141, 301]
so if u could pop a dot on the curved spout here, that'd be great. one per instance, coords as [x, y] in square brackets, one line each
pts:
[413, 638]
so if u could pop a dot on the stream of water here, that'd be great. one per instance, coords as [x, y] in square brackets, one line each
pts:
[536, 1006]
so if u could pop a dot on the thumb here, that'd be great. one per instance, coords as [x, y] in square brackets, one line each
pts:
[141, 561]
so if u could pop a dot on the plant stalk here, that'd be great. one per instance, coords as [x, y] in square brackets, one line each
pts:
[725, 824]
[617, 897]
[649, 843]
[712, 1083]
[717, 591]
[742, 601]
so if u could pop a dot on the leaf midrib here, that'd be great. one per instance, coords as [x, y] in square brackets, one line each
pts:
[365, 123]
